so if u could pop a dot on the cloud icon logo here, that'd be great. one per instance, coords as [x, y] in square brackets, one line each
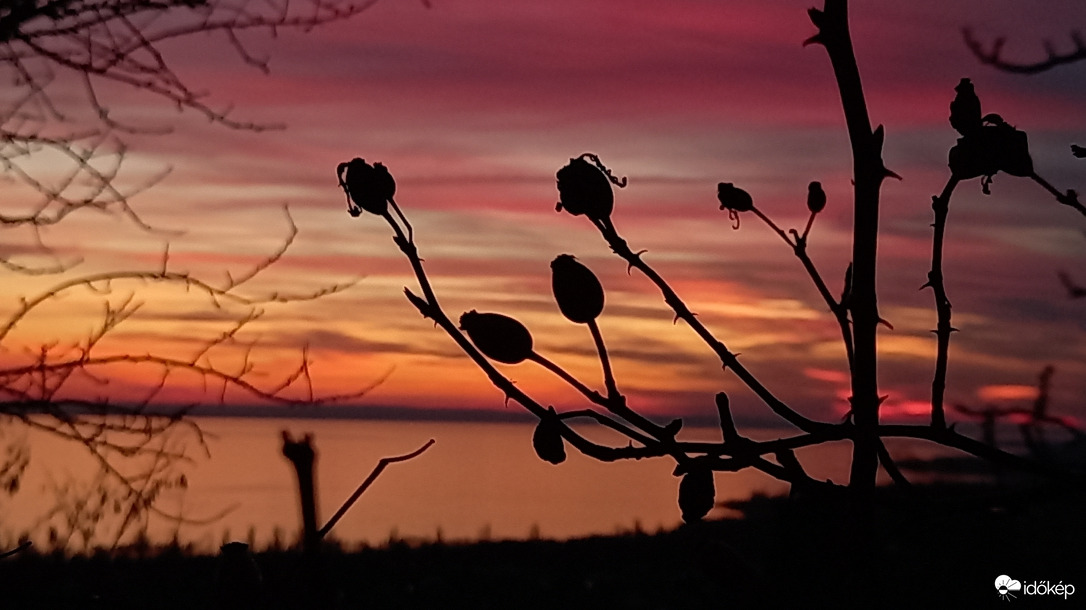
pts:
[1005, 585]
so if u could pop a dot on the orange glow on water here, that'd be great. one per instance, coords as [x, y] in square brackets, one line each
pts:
[477, 481]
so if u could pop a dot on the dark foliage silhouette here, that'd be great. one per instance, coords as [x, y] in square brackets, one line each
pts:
[988, 146]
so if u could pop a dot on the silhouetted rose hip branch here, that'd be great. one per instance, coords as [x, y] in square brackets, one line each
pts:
[736, 200]
[586, 188]
[518, 350]
[987, 146]
[601, 184]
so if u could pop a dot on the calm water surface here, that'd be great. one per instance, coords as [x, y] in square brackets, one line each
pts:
[480, 480]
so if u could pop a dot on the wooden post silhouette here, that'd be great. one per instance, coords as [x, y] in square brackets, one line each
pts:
[303, 457]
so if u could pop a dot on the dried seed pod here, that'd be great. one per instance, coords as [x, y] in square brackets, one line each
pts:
[547, 439]
[733, 198]
[996, 147]
[577, 291]
[697, 493]
[1011, 148]
[585, 188]
[498, 337]
[368, 187]
[970, 158]
[816, 197]
[965, 109]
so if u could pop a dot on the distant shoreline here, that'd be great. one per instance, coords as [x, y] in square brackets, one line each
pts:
[358, 412]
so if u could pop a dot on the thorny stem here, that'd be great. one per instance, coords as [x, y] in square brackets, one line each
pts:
[608, 422]
[429, 308]
[946, 436]
[868, 174]
[943, 329]
[798, 243]
[740, 454]
[749, 450]
[727, 358]
[614, 402]
[1070, 198]
[940, 205]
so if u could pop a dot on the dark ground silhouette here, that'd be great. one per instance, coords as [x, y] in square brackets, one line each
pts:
[930, 552]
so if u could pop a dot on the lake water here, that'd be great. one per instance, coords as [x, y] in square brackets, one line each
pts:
[479, 481]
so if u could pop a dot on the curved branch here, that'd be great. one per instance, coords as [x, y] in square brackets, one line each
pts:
[381, 465]
[798, 243]
[727, 358]
[868, 172]
[993, 56]
[943, 328]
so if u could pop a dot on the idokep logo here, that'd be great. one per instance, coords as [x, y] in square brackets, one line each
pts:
[1006, 587]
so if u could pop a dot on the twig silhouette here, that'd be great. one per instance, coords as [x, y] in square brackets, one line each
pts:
[429, 308]
[798, 243]
[868, 171]
[993, 56]
[943, 329]
[376, 472]
[1074, 291]
[22, 547]
[727, 358]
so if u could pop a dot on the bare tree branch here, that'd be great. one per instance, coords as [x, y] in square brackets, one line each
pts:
[376, 472]
[992, 56]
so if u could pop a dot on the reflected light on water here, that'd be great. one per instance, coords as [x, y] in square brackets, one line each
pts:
[479, 481]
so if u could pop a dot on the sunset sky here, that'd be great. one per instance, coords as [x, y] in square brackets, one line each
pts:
[473, 106]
